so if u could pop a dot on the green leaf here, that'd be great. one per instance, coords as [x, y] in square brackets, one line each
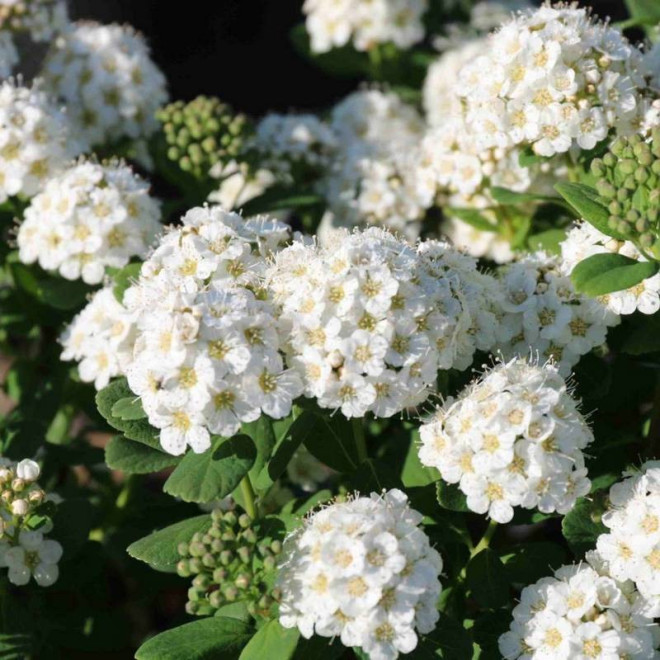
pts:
[319, 647]
[213, 474]
[582, 525]
[472, 217]
[528, 157]
[280, 199]
[125, 278]
[414, 473]
[332, 443]
[644, 10]
[214, 638]
[512, 198]
[528, 563]
[548, 241]
[488, 627]
[271, 641]
[159, 549]
[588, 205]
[643, 337]
[263, 434]
[136, 458]
[450, 497]
[128, 409]
[486, 579]
[449, 641]
[604, 273]
[138, 429]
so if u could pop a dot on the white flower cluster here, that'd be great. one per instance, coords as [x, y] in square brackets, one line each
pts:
[42, 19]
[88, 217]
[8, 54]
[542, 313]
[583, 241]
[105, 75]
[238, 184]
[24, 552]
[364, 571]
[364, 23]
[206, 354]
[632, 546]
[370, 319]
[477, 242]
[35, 140]
[100, 338]
[378, 175]
[286, 143]
[552, 78]
[513, 438]
[584, 613]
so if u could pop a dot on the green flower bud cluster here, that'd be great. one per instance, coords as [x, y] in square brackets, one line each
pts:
[230, 563]
[627, 181]
[202, 133]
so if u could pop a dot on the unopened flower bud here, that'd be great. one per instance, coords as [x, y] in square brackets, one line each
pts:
[20, 507]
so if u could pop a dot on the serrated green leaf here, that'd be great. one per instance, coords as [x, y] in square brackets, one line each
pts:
[413, 472]
[605, 273]
[135, 457]
[450, 497]
[333, 444]
[511, 197]
[128, 409]
[588, 205]
[486, 579]
[271, 641]
[214, 638]
[159, 549]
[280, 199]
[213, 474]
[582, 525]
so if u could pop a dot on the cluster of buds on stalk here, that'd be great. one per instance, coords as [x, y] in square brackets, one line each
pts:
[628, 182]
[24, 550]
[202, 134]
[232, 562]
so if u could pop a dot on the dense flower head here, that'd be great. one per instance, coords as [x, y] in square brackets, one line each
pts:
[294, 147]
[232, 561]
[106, 77]
[88, 217]
[513, 438]
[202, 134]
[378, 176]
[35, 140]
[477, 242]
[238, 184]
[370, 318]
[25, 551]
[543, 314]
[100, 338]
[362, 570]
[584, 611]
[584, 240]
[42, 19]
[554, 78]
[364, 23]
[206, 355]
[632, 545]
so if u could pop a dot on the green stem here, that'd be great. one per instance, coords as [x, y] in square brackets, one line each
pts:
[360, 442]
[485, 539]
[249, 497]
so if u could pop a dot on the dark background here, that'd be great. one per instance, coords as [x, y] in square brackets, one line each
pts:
[238, 50]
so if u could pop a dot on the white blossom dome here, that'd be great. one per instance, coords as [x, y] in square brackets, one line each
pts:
[206, 355]
[290, 143]
[542, 314]
[632, 545]
[89, 217]
[553, 78]
[108, 81]
[582, 612]
[583, 241]
[378, 175]
[370, 319]
[514, 438]
[41, 19]
[100, 338]
[36, 140]
[477, 242]
[364, 23]
[362, 570]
